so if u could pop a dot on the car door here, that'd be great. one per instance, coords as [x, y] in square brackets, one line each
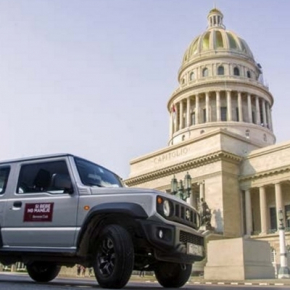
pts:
[39, 214]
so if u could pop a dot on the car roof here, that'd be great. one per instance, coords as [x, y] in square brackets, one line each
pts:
[37, 157]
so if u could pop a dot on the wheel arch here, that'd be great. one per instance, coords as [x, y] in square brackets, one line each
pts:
[121, 213]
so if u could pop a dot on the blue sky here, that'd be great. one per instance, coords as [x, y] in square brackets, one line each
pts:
[93, 77]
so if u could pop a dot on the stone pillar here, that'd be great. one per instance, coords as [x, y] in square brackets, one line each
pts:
[207, 107]
[201, 190]
[181, 116]
[258, 116]
[171, 124]
[229, 106]
[190, 200]
[188, 112]
[240, 108]
[269, 117]
[250, 109]
[176, 118]
[218, 106]
[197, 109]
[248, 210]
[278, 201]
[263, 210]
[264, 113]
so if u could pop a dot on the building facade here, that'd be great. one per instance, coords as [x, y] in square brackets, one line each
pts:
[221, 133]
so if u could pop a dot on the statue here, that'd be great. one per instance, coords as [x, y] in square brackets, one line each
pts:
[205, 215]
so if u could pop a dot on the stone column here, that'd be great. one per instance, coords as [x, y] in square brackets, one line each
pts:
[181, 118]
[201, 190]
[176, 118]
[278, 201]
[264, 113]
[240, 108]
[258, 116]
[207, 107]
[190, 200]
[250, 109]
[248, 210]
[188, 112]
[197, 109]
[270, 117]
[263, 210]
[171, 124]
[229, 106]
[218, 106]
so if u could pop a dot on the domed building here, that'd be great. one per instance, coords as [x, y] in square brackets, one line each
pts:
[221, 133]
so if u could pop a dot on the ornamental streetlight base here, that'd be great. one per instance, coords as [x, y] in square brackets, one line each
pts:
[284, 273]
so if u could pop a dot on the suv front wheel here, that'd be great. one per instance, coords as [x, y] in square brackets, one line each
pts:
[172, 275]
[42, 272]
[114, 257]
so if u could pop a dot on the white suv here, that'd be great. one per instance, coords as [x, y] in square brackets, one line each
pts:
[64, 210]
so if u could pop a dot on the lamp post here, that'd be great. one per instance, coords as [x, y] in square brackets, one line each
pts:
[284, 271]
[182, 189]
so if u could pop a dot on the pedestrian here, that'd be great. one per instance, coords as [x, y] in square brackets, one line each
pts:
[83, 271]
[78, 270]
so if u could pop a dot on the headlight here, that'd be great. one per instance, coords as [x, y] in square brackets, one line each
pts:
[166, 208]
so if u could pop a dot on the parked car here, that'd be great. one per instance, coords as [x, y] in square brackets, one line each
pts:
[62, 210]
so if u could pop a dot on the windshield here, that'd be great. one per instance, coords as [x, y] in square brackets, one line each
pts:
[95, 175]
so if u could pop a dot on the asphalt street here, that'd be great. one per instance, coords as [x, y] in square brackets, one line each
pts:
[22, 281]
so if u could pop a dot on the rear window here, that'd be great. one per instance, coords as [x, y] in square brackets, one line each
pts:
[4, 173]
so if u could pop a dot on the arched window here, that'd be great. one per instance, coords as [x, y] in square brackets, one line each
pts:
[192, 76]
[248, 74]
[221, 70]
[205, 72]
[236, 71]
[247, 133]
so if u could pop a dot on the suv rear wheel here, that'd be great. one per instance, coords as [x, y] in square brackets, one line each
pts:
[172, 275]
[42, 272]
[114, 257]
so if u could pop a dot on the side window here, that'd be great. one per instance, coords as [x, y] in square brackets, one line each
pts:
[50, 177]
[4, 173]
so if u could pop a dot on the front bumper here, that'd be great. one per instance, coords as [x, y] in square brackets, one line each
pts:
[170, 242]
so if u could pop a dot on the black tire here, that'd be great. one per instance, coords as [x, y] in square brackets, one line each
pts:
[114, 261]
[172, 275]
[42, 272]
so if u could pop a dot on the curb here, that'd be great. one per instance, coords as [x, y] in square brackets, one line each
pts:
[241, 283]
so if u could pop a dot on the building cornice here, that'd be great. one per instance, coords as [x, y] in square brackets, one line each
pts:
[264, 174]
[183, 166]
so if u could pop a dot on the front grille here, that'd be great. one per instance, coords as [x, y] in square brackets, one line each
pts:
[181, 214]
[185, 237]
[184, 215]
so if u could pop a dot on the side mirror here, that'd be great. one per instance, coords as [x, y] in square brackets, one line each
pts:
[62, 182]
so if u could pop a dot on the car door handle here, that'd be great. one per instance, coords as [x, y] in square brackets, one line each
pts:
[17, 205]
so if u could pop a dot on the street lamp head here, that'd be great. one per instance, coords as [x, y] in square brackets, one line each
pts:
[187, 182]
[181, 187]
[174, 185]
[280, 215]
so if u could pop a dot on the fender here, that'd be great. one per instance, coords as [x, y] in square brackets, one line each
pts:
[125, 208]
[132, 209]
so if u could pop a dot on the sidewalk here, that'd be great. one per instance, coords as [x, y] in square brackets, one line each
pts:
[201, 281]
[258, 282]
